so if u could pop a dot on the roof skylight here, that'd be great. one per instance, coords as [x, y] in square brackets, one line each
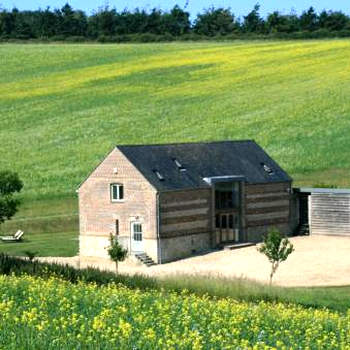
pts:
[159, 175]
[179, 165]
[267, 169]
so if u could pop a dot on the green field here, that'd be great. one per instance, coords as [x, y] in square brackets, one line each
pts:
[44, 244]
[63, 107]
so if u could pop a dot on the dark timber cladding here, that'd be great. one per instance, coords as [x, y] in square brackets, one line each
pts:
[184, 212]
[267, 204]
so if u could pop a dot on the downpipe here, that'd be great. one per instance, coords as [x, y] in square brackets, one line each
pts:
[158, 230]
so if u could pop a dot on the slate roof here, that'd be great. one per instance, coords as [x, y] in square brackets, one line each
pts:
[201, 160]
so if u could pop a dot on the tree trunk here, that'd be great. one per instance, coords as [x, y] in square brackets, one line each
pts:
[116, 267]
[273, 270]
[271, 275]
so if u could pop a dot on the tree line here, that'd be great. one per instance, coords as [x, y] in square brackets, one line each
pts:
[107, 24]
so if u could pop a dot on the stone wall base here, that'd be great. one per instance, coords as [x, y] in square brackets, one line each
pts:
[256, 234]
[94, 246]
[181, 247]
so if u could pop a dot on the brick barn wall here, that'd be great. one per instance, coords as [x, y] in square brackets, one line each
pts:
[98, 215]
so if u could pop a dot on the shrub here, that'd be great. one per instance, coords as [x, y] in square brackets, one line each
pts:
[76, 39]
[147, 38]
[30, 255]
[58, 38]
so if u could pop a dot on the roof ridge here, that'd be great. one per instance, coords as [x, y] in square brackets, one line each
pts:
[184, 143]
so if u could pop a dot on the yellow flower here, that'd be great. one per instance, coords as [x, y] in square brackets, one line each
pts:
[125, 328]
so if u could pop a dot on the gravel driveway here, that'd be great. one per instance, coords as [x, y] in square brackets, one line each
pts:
[316, 261]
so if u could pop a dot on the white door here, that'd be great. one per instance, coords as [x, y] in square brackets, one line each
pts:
[136, 237]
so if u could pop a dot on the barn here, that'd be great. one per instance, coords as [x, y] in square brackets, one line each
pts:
[169, 201]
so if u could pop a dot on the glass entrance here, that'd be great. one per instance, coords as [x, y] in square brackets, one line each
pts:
[227, 212]
[227, 228]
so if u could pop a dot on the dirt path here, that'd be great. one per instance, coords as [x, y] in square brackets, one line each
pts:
[316, 261]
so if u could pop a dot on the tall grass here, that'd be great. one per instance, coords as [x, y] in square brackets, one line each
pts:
[19, 266]
[335, 298]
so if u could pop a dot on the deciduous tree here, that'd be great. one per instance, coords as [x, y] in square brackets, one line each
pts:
[276, 248]
[9, 185]
[116, 251]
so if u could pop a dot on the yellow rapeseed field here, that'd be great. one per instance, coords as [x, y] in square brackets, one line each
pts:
[53, 314]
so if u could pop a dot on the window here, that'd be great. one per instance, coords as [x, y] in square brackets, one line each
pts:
[230, 221]
[223, 221]
[137, 231]
[226, 195]
[217, 221]
[117, 192]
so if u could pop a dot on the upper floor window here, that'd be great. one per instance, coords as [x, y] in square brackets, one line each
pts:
[226, 195]
[117, 192]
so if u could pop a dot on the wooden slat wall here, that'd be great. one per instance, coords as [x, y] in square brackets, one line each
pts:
[330, 214]
[267, 204]
[185, 213]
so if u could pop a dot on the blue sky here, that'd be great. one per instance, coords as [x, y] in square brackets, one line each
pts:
[239, 7]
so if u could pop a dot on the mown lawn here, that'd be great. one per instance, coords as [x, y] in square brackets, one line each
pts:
[44, 244]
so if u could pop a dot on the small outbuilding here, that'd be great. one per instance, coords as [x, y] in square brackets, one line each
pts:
[324, 211]
[169, 201]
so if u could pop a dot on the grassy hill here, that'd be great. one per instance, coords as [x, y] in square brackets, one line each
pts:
[63, 107]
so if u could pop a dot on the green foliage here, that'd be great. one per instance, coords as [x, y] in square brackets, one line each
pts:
[9, 185]
[309, 20]
[106, 22]
[253, 23]
[116, 251]
[30, 254]
[276, 248]
[215, 22]
[280, 23]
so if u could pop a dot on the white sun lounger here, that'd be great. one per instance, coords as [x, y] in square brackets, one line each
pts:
[15, 238]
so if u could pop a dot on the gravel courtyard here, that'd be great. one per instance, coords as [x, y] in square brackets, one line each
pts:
[316, 261]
